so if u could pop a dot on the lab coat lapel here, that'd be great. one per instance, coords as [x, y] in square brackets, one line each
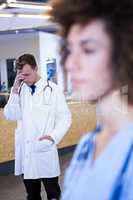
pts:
[41, 108]
[40, 85]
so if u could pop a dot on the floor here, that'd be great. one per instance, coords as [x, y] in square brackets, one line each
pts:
[11, 187]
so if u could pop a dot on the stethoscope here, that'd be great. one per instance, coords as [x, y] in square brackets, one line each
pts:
[47, 92]
[48, 86]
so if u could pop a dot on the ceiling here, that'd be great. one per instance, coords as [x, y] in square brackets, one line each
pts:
[37, 1]
[17, 23]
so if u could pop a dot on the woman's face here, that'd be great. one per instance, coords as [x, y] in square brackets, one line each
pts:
[88, 61]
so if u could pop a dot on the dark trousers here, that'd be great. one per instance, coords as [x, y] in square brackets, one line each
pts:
[33, 188]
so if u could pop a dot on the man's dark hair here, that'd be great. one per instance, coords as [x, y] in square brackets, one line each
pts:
[117, 16]
[26, 59]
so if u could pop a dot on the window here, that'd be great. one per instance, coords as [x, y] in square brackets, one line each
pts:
[6, 82]
[10, 72]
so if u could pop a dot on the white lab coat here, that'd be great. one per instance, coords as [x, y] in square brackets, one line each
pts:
[37, 115]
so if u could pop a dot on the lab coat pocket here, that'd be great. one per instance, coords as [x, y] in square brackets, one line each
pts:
[42, 146]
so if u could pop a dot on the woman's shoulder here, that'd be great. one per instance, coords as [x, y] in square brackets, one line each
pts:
[85, 138]
[86, 143]
[80, 149]
[83, 145]
[88, 137]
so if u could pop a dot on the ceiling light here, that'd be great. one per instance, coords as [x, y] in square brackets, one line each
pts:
[6, 15]
[3, 5]
[10, 1]
[33, 16]
[30, 6]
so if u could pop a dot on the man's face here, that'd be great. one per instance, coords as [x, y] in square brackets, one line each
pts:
[29, 75]
[88, 62]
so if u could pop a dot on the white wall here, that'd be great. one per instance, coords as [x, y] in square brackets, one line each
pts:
[14, 45]
[49, 48]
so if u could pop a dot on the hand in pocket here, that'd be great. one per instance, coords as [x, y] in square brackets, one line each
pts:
[42, 145]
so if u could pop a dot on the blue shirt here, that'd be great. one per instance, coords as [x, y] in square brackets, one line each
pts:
[111, 175]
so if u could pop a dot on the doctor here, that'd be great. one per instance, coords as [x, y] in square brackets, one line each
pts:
[43, 119]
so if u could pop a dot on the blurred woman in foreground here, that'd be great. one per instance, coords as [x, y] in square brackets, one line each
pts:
[99, 57]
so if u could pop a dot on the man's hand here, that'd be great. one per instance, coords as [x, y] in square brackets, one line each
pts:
[46, 137]
[17, 83]
[43, 144]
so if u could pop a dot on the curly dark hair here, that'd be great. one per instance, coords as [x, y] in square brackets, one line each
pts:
[117, 16]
